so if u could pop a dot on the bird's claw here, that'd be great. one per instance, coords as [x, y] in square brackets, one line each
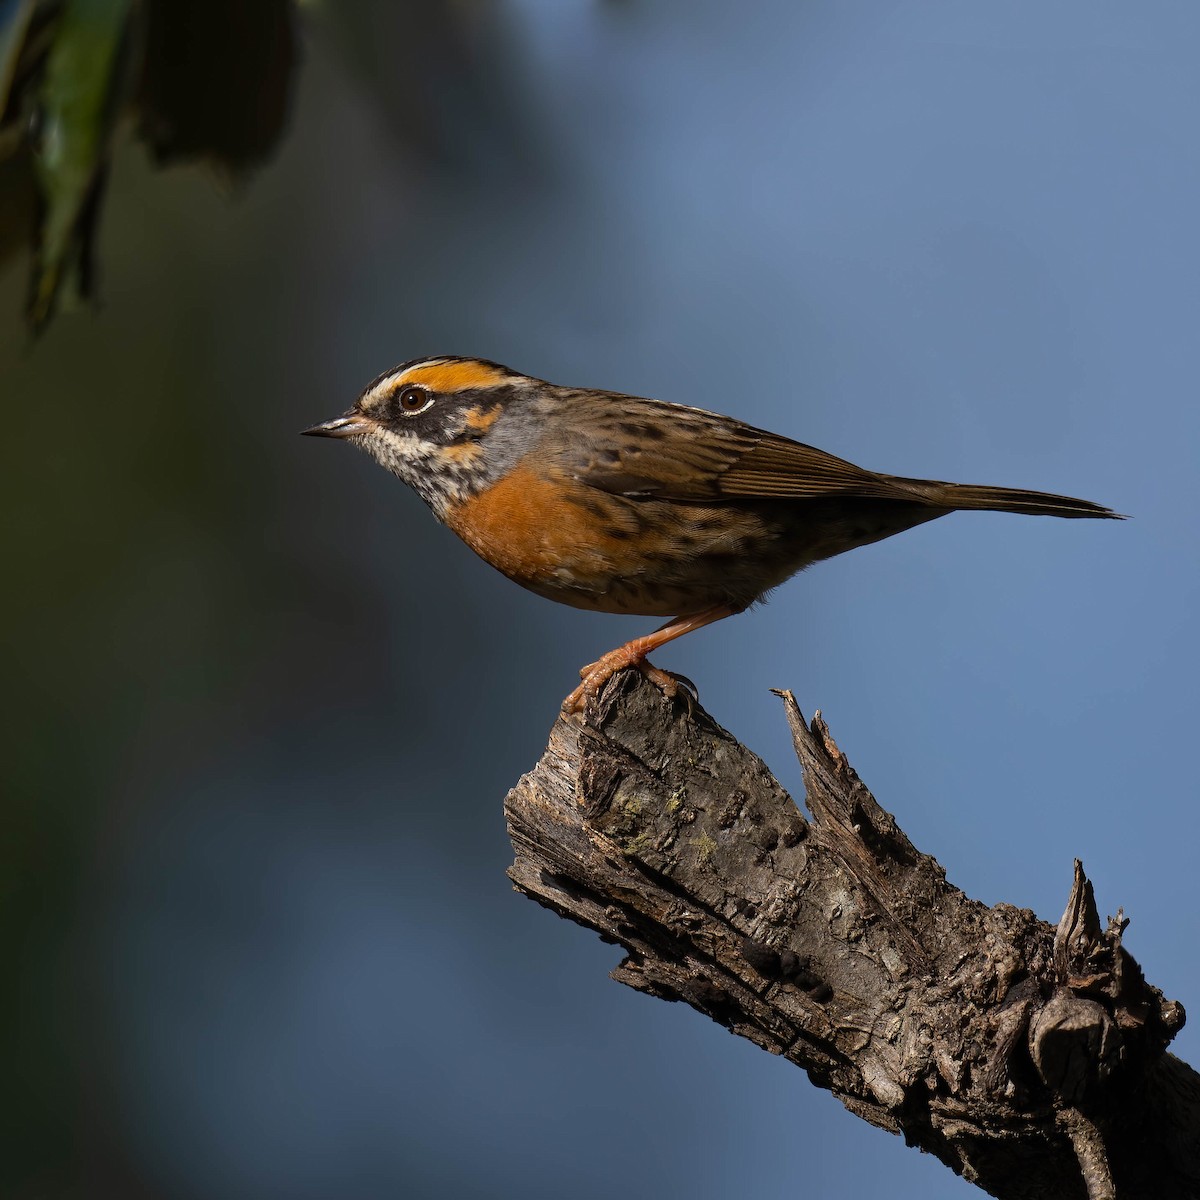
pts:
[596, 675]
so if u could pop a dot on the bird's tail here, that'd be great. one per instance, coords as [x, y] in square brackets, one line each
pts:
[1013, 500]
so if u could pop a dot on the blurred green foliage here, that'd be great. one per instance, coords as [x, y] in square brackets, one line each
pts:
[76, 112]
[200, 81]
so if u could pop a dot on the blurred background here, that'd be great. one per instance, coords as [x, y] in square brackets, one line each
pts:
[263, 711]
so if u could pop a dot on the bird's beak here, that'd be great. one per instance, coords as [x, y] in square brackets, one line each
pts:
[347, 425]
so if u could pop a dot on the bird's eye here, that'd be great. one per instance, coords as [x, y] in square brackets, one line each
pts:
[413, 400]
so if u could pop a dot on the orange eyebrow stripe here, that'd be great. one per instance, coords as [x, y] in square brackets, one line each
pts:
[454, 376]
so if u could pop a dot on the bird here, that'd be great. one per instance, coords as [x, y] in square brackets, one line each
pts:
[622, 504]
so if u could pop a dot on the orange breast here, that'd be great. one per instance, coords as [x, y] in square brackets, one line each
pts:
[553, 536]
[594, 550]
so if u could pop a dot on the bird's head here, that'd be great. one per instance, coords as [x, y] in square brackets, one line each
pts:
[439, 424]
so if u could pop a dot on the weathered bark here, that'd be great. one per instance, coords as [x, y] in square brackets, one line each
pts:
[1029, 1060]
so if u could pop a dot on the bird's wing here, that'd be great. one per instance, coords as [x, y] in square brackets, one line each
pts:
[646, 448]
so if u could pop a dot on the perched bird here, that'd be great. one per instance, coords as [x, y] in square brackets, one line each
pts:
[624, 505]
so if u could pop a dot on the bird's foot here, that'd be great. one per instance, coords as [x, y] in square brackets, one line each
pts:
[596, 675]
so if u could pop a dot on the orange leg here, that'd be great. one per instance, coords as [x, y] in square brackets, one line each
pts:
[633, 654]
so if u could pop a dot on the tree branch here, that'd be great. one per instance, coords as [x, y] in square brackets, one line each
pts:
[1029, 1060]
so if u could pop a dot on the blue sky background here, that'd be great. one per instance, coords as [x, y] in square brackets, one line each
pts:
[276, 708]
